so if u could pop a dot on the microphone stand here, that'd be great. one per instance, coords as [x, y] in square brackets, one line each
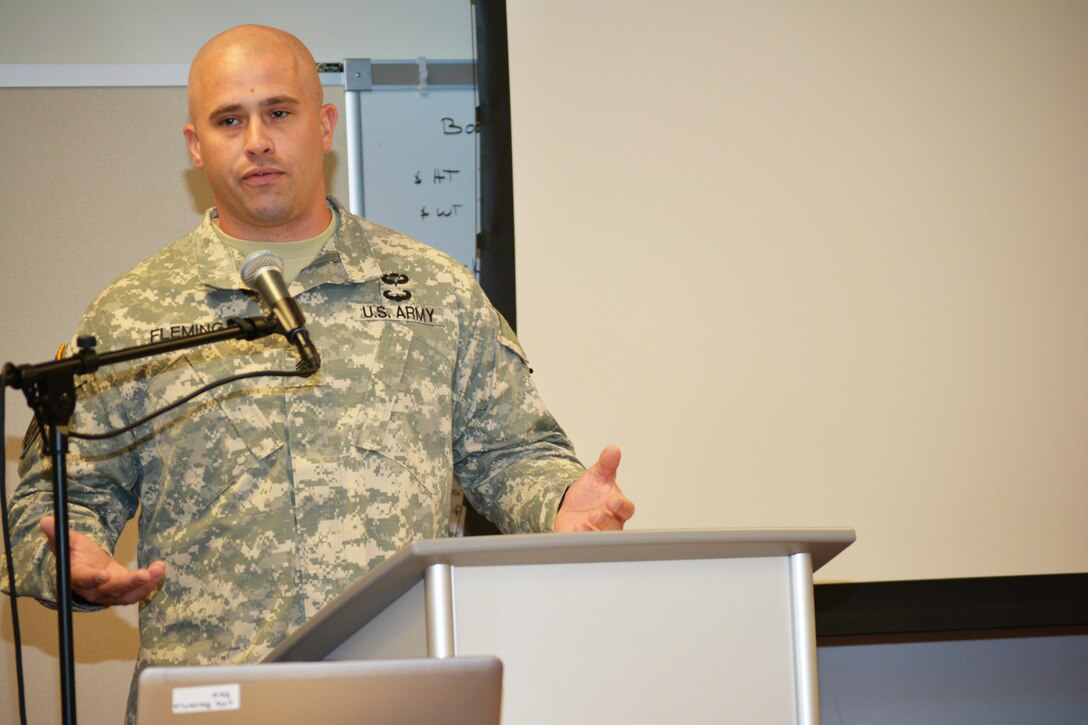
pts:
[50, 392]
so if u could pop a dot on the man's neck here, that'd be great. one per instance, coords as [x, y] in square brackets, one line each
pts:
[306, 227]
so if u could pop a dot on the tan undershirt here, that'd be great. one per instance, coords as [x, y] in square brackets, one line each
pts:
[295, 255]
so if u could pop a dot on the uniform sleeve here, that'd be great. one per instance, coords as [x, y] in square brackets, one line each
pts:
[511, 457]
[103, 484]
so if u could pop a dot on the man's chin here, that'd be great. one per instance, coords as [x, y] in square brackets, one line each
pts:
[268, 215]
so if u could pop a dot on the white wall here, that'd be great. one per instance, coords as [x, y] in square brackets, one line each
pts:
[817, 264]
[98, 179]
[132, 31]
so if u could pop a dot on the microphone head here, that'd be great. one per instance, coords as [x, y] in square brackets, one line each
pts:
[256, 262]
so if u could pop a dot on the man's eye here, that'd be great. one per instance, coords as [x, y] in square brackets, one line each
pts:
[228, 122]
[280, 114]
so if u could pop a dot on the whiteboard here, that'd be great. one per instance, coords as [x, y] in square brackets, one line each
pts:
[419, 165]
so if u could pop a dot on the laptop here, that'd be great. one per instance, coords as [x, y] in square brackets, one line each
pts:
[458, 690]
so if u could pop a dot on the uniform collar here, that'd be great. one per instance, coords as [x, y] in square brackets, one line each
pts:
[346, 258]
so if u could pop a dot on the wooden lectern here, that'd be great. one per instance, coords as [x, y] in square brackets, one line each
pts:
[612, 627]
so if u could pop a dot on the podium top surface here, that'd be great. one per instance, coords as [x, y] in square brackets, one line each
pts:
[616, 546]
[385, 583]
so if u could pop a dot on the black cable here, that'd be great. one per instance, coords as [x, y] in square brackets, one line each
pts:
[300, 373]
[16, 635]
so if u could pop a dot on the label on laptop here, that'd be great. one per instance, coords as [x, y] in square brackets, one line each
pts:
[207, 698]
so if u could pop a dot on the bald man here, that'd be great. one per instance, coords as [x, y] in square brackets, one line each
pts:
[263, 500]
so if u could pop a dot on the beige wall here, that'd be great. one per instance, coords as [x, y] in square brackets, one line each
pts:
[817, 264]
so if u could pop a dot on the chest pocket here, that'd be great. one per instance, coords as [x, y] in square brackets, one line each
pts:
[214, 442]
[401, 404]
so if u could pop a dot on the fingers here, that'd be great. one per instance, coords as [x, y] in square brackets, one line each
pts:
[617, 509]
[613, 515]
[594, 502]
[608, 462]
[123, 586]
[86, 579]
[621, 507]
[610, 517]
[138, 586]
[98, 577]
[49, 528]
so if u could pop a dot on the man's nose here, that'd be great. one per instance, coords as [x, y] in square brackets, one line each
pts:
[258, 141]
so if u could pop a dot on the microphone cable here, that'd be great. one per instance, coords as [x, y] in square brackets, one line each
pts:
[301, 372]
[16, 635]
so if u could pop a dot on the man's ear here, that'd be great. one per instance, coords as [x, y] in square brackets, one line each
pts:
[193, 142]
[328, 118]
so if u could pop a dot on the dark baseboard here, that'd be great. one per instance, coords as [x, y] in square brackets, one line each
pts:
[949, 609]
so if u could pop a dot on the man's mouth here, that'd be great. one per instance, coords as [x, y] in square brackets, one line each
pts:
[258, 177]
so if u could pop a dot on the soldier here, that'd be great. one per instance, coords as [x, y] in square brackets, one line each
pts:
[264, 499]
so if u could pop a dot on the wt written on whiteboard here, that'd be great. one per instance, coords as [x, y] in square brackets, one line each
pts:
[439, 177]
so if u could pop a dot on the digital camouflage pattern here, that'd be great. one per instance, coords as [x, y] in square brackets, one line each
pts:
[268, 497]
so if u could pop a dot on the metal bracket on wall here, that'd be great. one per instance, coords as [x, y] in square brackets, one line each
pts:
[358, 75]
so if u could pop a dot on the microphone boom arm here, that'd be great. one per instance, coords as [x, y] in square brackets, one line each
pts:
[50, 392]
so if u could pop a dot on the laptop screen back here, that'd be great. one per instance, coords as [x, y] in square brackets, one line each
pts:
[376, 692]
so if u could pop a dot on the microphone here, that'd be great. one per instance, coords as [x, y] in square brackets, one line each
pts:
[262, 272]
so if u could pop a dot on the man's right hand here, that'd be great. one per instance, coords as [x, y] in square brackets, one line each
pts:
[97, 577]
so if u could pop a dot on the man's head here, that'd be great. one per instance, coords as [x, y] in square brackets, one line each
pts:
[260, 132]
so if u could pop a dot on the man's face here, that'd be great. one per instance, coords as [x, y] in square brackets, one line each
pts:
[260, 134]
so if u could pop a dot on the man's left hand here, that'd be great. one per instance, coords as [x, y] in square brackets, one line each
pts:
[594, 502]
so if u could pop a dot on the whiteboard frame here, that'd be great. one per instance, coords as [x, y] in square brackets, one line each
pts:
[361, 75]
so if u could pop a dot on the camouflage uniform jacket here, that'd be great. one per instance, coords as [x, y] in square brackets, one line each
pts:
[268, 497]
